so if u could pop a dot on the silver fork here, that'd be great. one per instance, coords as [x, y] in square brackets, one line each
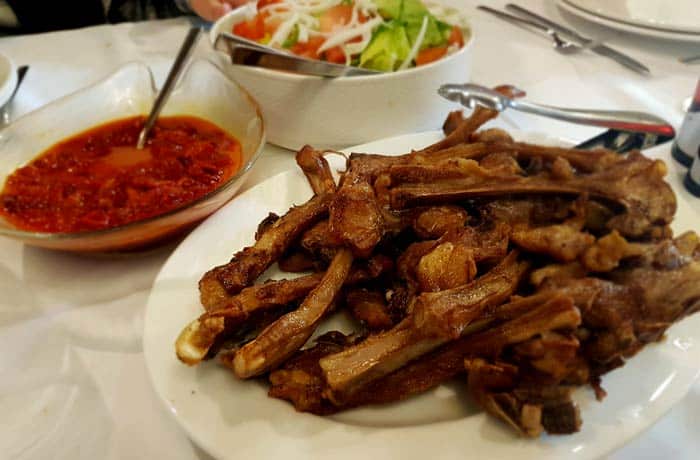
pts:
[560, 44]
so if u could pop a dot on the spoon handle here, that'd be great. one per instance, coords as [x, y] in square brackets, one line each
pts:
[175, 71]
[622, 120]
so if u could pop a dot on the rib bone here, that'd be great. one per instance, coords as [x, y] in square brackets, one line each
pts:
[436, 318]
[249, 263]
[285, 336]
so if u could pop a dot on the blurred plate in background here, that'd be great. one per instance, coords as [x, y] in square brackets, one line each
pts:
[678, 20]
[675, 16]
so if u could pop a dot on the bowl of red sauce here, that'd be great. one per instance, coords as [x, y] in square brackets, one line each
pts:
[72, 179]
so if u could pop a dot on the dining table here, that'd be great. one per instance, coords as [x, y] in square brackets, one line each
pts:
[74, 383]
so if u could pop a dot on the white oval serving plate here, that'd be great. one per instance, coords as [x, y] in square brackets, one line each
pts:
[233, 419]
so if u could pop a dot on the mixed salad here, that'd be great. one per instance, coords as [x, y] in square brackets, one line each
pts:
[384, 35]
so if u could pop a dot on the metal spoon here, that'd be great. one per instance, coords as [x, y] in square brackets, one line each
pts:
[180, 61]
[5, 116]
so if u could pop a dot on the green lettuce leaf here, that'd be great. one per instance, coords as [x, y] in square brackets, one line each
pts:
[292, 38]
[388, 48]
[435, 33]
[389, 9]
[411, 13]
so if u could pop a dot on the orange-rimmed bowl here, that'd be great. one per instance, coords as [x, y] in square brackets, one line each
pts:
[204, 91]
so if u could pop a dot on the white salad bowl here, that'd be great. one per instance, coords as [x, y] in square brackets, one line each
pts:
[337, 112]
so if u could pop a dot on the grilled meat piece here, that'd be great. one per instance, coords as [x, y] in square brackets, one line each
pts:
[246, 265]
[491, 135]
[319, 241]
[258, 304]
[638, 304]
[524, 318]
[462, 132]
[355, 218]
[196, 340]
[265, 224]
[297, 262]
[424, 265]
[515, 322]
[281, 339]
[447, 265]
[636, 183]
[434, 222]
[300, 380]
[484, 382]
[369, 308]
[561, 271]
[562, 242]
[607, 252]
[527, 212]
[316, 170]
[552, 353]
[529, 409]
[452, 122]
[435, 319]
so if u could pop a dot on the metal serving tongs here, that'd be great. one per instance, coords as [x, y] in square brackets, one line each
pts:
[627, 130]
[249, 53]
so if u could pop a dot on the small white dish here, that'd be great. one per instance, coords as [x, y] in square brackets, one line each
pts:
[335, 113]
[634, 27]
[234, 419]
[8, 79]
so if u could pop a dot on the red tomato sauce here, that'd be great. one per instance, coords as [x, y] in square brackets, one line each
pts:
[97, 179]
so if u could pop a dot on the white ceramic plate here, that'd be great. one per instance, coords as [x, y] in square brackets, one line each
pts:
[233, 419]
[674, 16]
[8, 79]
[573, 7]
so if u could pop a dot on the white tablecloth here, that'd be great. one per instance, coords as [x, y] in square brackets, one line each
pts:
[73, 381]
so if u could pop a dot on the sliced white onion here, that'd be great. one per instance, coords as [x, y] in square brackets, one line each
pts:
[416, 45]
[283, 31]
[345, 34]
[303, 34]
[449, 15]
[308, 20]
[355, 48]
[354, 17]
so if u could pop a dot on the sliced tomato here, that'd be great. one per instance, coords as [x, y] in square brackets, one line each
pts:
[334, 17]
[335, 54]
[456, 37]
[430, 54]
[308, 49]
[253, 29]
[264, 3]
[271, 24]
